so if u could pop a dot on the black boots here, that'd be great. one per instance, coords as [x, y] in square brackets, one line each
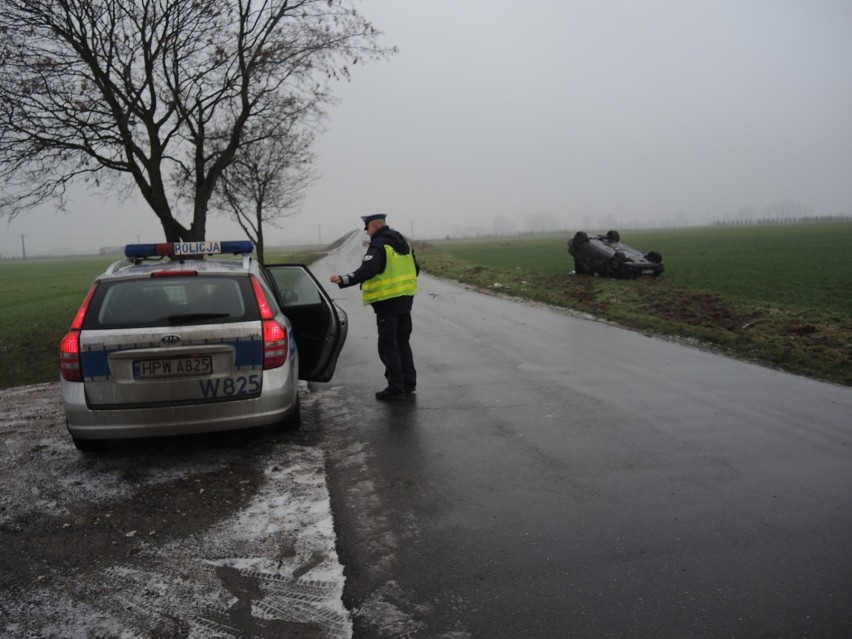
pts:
[388, 395]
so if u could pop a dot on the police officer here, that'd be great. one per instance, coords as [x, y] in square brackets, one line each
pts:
[388, 279]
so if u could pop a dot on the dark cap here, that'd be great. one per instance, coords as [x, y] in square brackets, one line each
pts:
[370, 218]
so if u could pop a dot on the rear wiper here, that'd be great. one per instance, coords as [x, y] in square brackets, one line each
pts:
[194, 317]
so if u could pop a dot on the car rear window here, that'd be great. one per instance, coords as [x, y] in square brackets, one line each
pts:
[168, 301]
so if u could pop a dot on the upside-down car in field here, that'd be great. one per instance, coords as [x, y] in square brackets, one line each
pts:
[607, 256]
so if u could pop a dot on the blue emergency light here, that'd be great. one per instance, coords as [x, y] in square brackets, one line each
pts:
[184, 249]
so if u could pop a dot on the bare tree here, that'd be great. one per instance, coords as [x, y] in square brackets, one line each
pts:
[158, 95]
[267, 181]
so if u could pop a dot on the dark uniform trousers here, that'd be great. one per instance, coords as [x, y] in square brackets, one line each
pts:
[395, 351]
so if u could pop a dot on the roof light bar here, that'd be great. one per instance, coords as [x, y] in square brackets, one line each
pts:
[179, 249]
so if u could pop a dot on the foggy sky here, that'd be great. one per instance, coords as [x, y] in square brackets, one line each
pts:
[623, 111]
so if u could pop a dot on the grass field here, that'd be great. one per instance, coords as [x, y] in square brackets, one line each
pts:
[801, 266]
[780, 295]
[38, 300]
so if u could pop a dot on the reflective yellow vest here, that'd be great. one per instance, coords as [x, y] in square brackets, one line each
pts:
[399, 278]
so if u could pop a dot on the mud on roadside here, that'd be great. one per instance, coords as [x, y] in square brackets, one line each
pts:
[226, 535]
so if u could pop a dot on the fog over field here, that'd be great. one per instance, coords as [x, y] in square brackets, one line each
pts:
[499, 116]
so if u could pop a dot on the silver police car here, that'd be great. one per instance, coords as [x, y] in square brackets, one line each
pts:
[173, 341]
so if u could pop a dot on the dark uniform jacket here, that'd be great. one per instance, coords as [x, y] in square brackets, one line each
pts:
[374, 263]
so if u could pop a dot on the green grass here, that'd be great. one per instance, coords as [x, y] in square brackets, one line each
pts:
[798, 266]
[775, 294]
[801, 266]
[38, 300]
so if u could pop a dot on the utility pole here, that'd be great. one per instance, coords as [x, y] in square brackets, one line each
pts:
[23, 246]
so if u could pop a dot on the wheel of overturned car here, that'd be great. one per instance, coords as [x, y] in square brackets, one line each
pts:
[613, 236]
[580, 237]
[654, 257]
[617, 261]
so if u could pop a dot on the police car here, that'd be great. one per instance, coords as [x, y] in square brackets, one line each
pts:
[177, 339]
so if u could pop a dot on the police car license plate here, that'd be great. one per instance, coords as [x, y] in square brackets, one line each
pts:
[172, 367]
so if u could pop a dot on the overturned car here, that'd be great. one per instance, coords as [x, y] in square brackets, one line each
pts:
[607, 256]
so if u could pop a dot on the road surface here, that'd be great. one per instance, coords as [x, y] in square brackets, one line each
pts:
[555, 476]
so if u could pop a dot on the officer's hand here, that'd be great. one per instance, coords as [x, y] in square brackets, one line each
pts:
[335, 279]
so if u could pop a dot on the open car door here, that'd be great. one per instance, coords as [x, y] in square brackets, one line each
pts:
[319, 324]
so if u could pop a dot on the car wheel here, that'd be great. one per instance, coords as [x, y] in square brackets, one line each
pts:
[654, 257]
[90, 445]
[580, 237]
[617, 262]
[293, 421]
[613, 236]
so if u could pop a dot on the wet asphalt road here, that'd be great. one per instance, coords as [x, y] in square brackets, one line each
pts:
[558, 477]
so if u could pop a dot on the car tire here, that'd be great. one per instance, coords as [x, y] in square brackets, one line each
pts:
[580, 237]
[90, 445]
[617, 262]
[293, 421]
[654, 257]
[613, 236]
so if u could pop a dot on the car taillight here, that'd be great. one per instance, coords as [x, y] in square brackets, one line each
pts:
[69, 357]
[69, 347]
[275, 343]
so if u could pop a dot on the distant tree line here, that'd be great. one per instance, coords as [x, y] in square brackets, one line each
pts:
[542, 223]
[808, 219]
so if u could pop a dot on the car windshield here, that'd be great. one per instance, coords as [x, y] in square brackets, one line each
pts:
[171, 300]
